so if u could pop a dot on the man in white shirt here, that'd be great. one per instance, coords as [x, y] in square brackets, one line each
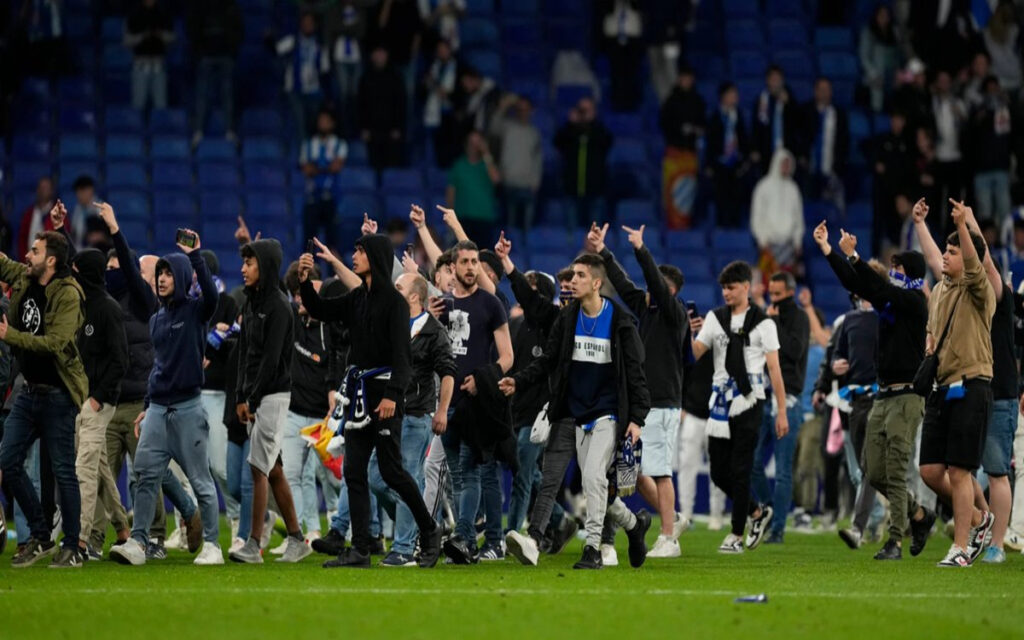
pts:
[737, 398]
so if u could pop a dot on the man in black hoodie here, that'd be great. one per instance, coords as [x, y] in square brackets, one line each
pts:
[377, 318]
[263, 394]
[593, 360]
[104, 350]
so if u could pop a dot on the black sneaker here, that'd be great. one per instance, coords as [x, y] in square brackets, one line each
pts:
[155, 550]
[637, 543]
[430, 548]
[980, 536]
[350, 558]
[490, 553]
[333, 544]
[377, 547]
[891, 551]
[920, 530]
[93, 553]
[67, 558]
[591, 559]
[396, 559]
[32, 552]
[458, 551]
[759, 526]
[563, 535]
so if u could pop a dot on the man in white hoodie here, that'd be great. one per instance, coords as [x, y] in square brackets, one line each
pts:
[777, 211]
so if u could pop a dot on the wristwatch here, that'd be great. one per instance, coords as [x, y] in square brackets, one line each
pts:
[854, 258]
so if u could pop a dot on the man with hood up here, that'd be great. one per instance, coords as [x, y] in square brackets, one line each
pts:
[104, 350]
[173, 424]
[263, 394]
[380, 366]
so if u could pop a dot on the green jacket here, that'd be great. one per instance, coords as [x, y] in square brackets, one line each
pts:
[62, 318]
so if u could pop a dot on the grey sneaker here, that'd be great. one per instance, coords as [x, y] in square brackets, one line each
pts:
[33, 551]
[248, 554]
[294, 551]
[155, 550]
[67, 558]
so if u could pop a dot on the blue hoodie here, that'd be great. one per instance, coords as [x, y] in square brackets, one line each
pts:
[179, 329]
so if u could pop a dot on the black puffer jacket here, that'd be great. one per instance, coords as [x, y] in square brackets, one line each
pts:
[264, 361]
[431, 354]
[102, 341]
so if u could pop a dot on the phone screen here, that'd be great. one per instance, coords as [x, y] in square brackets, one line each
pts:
[311, 247]
[410, 249]
[185, 238]
[691, 306]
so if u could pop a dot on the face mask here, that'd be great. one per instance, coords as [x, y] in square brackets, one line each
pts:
[116, 281]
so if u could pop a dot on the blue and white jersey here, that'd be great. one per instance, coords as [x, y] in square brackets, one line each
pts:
[593, 388]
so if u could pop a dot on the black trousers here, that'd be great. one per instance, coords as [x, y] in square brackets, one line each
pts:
[385, 437]
[732, 461]
[558, 453]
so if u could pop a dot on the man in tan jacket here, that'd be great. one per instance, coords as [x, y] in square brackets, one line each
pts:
[957, 412]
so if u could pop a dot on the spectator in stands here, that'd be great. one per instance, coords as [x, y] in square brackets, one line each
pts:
[773, 126]
[36, 216]
[86, 207]
[521, 160]
[1002, 41]
[925, 165]
[826, 145]
[148, 32]
[949, 114]
[894, 166]
[321, 160]
[215, 31]
[470, 191]
[777, 212]
[911, 96]
[682, 120]
[41, 23]
[347, 24]
[398, 26]
[584, 143]
[442, 18]
[623, 26]
[440, 83]
[475, 100]
[990, 129]
[879, 55]
[1017, 248]
[666, 23]
[306, 60]
[382, 111]
[943, 33]
[726, 152]
[972, 90]
[908, 240]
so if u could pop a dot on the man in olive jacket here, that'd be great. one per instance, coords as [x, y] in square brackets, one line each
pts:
[46, 314]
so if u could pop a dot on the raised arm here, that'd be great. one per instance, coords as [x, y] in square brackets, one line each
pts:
[991, 272]
[974, 273]
[633, 296]
[840, 265]
[932, 253]
[345, 275]
[335, 308]
[819, 333]
[453, 223]
[656, 286]
[207, 287]
[419, 220]
[536, 309]
[143, 300]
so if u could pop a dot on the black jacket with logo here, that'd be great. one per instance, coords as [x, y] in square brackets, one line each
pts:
[102, 340]
[431, 354]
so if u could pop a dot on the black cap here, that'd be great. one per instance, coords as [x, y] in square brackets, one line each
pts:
[492, 260]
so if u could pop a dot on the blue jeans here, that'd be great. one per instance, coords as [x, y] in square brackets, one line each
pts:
[992, 195]
[784, 450]
[50, 417]
[465, 473]
[520, 205]
[178, 431]
[416, 436]
[491, 495]
[149, 83]
[240, 486]
[215, 72]
[20, 521]
[524, 482]
[298, 461]
[340, 520]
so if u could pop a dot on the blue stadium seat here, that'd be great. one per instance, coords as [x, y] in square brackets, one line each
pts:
[634, 213]
[548, 261]
[706, 296]
[742, 8]
[267, 205]
[356, 179]
[169, 147]
[219, 203]
[632, 181]
[833, 38]
[831, 295]
[625, 124]
[168, 121]
[794, 8]
[479, 7]
[27, 174]
[262, 148]
[71, 171]
[27, 117]
[628, 151]
[478, 32]
[136, 232]
[843, 92]
[802, 89]
[744, 34]
[113, 29]
[397, 205]
[265, 175]
[568, 34]
[748, 64]
[525, 63]
[686, 241]
[860, 126]
[76, 89]
[219, 231]
[401, 180]
[528, 8]
[838, 66]
[216, 149]
[860, 213]
[125, 146]
[567, 95]
[126, 175]
[708, 65]
[796, 64]
[76, 119]
[696, 268]
[353, 206]
[172, 204]
[487, 62]
[116, 58]
[732, 240]
[172, 174]
[261, 121]
[520, 33]
[213, 174]
[129, 203]
[548, 239]
[564, 8]
[30, 147]
[120, 119]
[357, 156]
[165, 230]
[786, 34]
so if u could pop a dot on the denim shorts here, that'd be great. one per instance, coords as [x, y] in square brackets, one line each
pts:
[999, 442]
[660, 434]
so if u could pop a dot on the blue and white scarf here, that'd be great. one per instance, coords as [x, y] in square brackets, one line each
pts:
[851, 392]
[904, 281]
[350, 410]
[726, 401]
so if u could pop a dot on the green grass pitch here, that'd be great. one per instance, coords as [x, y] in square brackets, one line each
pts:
[816, 588]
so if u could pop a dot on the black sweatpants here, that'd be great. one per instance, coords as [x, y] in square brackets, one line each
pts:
[732, 461]
[558, 453]
[385, 437]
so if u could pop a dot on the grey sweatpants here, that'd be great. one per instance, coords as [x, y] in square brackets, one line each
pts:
[595, 451]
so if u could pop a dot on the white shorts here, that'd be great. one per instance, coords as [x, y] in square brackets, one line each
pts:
[660, 433]
[267, 432]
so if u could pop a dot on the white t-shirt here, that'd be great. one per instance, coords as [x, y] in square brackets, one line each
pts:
[763, 339]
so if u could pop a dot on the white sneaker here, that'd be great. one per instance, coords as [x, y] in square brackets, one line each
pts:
[236, 544]
[279, 549]
[268, 528]
[524, 548]
[177, 539]
[130, 552]
[664, 547]
[681, 524]
[1014, 540]
[209, 554]
[732, 544]
[609, 557]
[295, 550]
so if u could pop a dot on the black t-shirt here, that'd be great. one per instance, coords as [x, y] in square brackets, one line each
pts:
[471, 327]
[38, 368]
[1004, 363]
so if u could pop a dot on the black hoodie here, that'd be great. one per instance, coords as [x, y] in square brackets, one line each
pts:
[264, 361]
[377, 319]
[102, 341]
[794, 338]
[138, 303]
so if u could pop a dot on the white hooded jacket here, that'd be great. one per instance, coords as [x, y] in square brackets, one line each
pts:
[777, 209]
